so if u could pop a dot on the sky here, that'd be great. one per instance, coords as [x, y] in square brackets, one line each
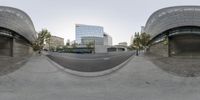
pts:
[120, 18]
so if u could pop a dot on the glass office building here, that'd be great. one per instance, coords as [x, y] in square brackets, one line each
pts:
[88, 31]
[107, 39]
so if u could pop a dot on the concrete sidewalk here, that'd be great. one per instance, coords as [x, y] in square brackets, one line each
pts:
[11, 64]
[140, 79]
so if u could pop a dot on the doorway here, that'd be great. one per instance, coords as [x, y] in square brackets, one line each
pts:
[185, 45]
[6, 46]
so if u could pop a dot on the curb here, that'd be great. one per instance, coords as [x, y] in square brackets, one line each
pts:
[90, 74]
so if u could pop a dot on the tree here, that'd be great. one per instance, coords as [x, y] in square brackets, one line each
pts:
[144, 39]
[68, 43]
[136, 41]
[140, 40]
[43, 36]
[74, 44]
[90, 45]
[36, 46]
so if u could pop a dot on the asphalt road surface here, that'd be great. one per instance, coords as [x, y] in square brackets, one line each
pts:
[90, 62]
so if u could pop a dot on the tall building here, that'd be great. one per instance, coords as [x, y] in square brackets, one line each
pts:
[88, 31]
[86, 34]
[93, 40]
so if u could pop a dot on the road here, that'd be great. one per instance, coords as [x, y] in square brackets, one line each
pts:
[90, 62]
[139, 79]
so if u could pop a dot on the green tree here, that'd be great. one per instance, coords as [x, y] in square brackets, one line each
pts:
[136, 41]
[90, 45]
[43, 36]
[144, 39]
[36, 46]
[140, 40]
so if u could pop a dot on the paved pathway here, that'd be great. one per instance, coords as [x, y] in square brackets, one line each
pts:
[10, 64]
[138, 80]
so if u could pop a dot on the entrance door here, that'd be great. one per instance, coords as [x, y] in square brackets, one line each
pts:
[5, 46]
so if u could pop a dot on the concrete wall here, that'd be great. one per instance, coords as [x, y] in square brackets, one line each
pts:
[21, 48]
[171, 17]
[185, 45]
[18, 21]
[101, 49]
[179, 45]
[159, 49]
[5, 46]
[16, 24]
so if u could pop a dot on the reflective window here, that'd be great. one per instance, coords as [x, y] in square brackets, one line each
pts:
[88, 30]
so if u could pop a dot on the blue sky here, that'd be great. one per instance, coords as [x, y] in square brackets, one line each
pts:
[120, 18]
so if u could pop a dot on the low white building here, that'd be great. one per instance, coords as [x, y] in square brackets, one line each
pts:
[123, 43]
[55, 42]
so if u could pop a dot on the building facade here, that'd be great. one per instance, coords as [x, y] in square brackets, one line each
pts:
[88, 31]
[92, 40]
[117, 48]
[17, 32]
[175, 31]
[107, 39]
[55, 42]
[89, 34]
[123, 43]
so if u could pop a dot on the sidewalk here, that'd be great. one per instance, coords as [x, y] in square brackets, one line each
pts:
[140, 79]
[11, 64]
